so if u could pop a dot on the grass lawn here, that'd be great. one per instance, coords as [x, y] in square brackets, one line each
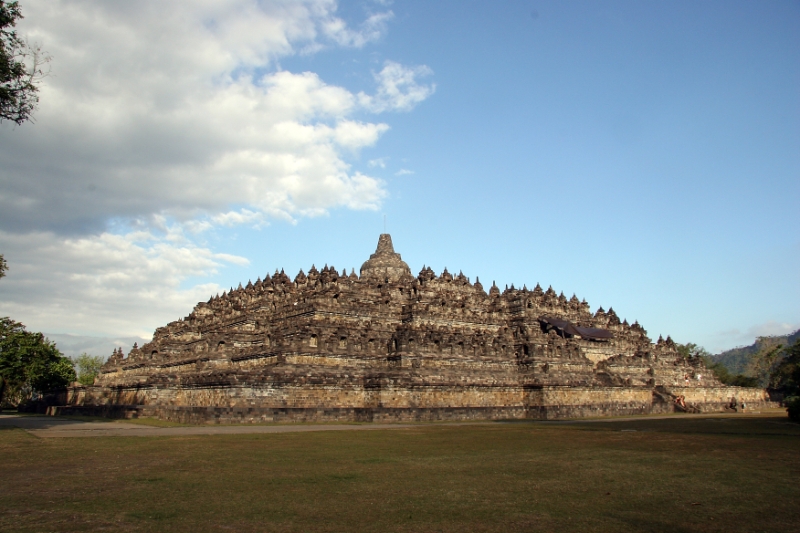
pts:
[672, 475]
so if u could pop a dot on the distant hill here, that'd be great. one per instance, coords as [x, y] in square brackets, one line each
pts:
[737, 360]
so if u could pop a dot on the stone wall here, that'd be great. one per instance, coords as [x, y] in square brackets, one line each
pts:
[396, 403]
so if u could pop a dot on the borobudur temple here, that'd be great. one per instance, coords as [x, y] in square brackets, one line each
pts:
[386, 345]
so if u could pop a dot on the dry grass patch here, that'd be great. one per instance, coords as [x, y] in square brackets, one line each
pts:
[674, 475]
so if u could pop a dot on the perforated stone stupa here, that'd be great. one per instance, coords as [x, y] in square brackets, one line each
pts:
[387, 345]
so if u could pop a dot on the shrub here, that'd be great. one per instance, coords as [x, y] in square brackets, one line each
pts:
[793, 407]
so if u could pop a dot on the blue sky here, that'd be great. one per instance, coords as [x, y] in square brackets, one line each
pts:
[641, 155]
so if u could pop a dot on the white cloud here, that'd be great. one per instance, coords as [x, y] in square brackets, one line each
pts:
[738, 337]
[231, 146]
[179, 109]
[233, 218]
[379, 162]
[127, 284]
[772, 328]
[403, 172]
[161, 121]
[74, 345]
[371, 29]
[398, 89]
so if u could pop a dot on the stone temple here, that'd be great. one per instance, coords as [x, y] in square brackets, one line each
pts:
[386, 345]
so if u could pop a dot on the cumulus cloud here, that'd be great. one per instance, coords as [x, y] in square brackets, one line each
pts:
[176, 111]
[398, 88]
[109, 283]
[179, 108]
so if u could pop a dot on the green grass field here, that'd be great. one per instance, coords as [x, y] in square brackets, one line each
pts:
[674, 475]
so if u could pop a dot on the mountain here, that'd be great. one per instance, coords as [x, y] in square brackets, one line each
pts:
[738, 359]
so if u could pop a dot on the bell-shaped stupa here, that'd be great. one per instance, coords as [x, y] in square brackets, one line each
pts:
[385, 264]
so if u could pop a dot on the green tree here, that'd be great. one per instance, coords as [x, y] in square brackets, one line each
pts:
[762, 364]
[785, 377]
[691, 350]
[88, 367]
[21, 68]
[3, 266]
[29, 364]
[741, 380]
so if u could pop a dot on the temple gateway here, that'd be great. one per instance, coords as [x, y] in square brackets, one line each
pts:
[389, 346]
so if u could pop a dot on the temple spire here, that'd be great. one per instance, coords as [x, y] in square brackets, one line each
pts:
[385, 263]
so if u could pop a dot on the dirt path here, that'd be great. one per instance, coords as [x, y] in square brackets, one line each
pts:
[62, 427]
[48, 427]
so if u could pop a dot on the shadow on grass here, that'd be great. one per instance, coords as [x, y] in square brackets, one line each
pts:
[741, 427]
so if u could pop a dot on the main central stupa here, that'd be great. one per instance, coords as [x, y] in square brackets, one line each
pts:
[386, 345]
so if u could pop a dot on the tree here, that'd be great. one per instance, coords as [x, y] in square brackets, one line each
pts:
[21, 68]
[722, 373]
[691, 350]
[88, 367]
[785, 377]
[762, 365]
[29, 364]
